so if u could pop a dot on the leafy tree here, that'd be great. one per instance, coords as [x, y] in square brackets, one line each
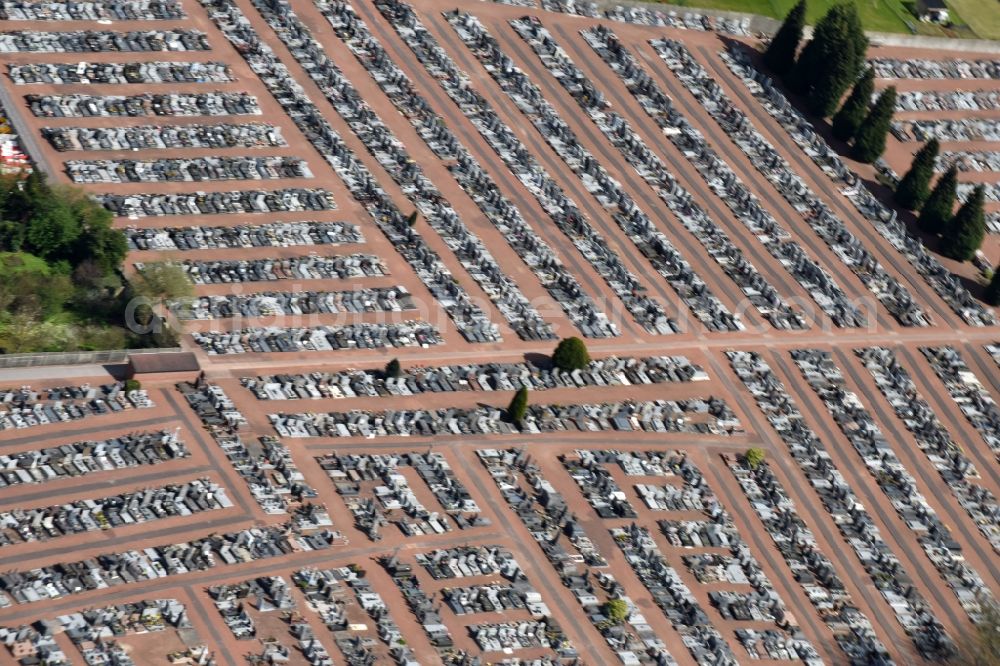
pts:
[57, 223]
[754, 456]
[992, 295]
[60, 259]
[87, 274]
[831, 60]
[780, 54]
[99, 241]
[848, 120]
[967, 229]
[162, 280]
[393, 368]
[29, 285]
[915, 186]
[616, 610]
[518, 406]
[52, 229]
[936, 211]
[25, 332]
[104, 246]
[869, 142]
[11, 236]
[571, 354]
[980, 644]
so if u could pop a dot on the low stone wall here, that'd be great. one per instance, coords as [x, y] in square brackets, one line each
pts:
[74, 358]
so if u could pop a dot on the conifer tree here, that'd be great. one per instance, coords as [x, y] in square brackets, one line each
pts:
[780, 54]
[831, 60]
[852, 114]
[937, 209]
[964, 234]
[518, 406]
[869, 142]
[915, 186]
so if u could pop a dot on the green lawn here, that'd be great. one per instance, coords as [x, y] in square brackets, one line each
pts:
[983, 16]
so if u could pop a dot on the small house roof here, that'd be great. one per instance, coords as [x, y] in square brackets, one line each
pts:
[163, 362]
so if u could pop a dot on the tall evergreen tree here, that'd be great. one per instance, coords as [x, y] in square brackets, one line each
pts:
[937, 209]
[869, 142]
[965, 232]
[831, 60]
[915, 186]
[780, 54]
[856, 33]
[852, 114]
[518, 406]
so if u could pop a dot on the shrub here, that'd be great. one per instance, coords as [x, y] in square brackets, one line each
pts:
[754, 456]
[571, 354]
[616, 610]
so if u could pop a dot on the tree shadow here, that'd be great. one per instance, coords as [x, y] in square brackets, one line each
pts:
[117, 370]
[540, 361]
[974, 287]
[907, 217]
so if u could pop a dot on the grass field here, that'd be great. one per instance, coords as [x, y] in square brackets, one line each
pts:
[982, 16]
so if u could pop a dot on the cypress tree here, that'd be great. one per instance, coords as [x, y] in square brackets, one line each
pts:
[799, 79]
[780, 54]
[966, 230]
[848, 120]
[937, 209]
[869, 142]
[832, 82]
[915, 186]
[831, 60]
[856, 35]
[992, 295]
[518, 406]
[393, 369]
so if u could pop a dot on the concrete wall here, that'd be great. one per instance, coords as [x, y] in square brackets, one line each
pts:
[73, 358]
[942, 43]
